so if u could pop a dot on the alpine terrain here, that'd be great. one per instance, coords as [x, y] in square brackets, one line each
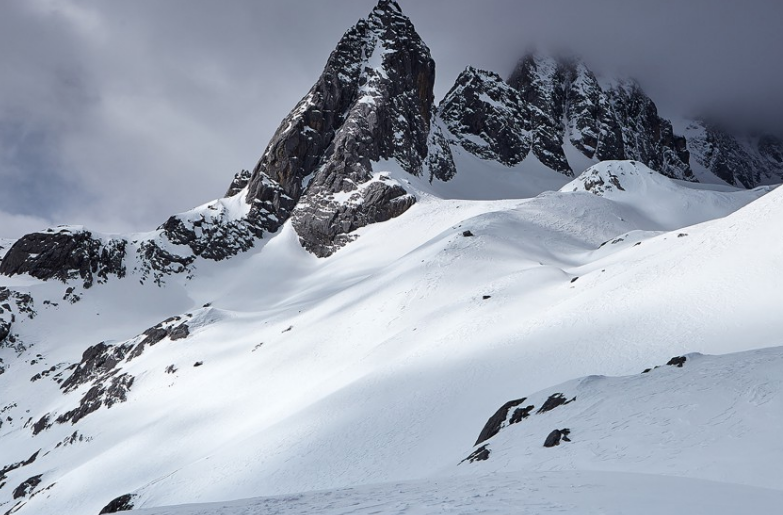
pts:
[535, 295]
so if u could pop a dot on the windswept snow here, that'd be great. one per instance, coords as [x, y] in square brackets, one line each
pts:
[381, 363]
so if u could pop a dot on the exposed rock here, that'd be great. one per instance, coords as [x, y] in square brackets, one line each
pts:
[14, 466]
[467, 234]
[97, 361]
[520, 414]
[121, 503]
[480, 454]
[555, 436]
[646, 136]
[179, 332]
[240, 182]
[373, 101]
[740, 160]
[677, 361]
[65, 254]
[110, 391]
[496, 421]
[541, 82]
[554, 400]
[548, 102]
[27, 486]
[487, 117]
[42, 424]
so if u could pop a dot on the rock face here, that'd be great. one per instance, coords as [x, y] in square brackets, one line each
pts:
[65, 254]
[373, 101]
[487, 117]
[743, 161]
[547, 104]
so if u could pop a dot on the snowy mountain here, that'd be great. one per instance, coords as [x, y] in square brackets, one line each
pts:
[740, 160]
[355, 308]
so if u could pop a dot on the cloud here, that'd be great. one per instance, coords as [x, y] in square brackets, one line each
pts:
[122, 113]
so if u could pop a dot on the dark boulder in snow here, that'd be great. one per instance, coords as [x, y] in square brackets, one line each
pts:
[121, 503]
[480, 454]
[677, 361]
[555, 436]
[554, 400]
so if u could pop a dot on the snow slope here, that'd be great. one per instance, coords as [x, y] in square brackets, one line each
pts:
[575, 493]
[382, 362]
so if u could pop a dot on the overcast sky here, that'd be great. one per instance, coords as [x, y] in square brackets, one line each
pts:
[115, 115]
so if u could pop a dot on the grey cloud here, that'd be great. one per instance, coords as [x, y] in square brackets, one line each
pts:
[118, 114]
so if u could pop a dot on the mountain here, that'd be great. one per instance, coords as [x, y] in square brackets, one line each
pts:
[740, 160]
[391, 272]
[559, 110]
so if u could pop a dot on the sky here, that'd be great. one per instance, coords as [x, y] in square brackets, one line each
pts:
[115, 115]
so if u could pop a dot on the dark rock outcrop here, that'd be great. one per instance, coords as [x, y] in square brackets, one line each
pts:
[373, 101]
[241, 180]
[740, 160]
[27, 486]
[553, 439]
[542, 84]
[495, 422]
[677, 361]
[65, 254]
[480, 454]
[108, 392]
[548, 103]
[97, 361]
[13, 466]
[555, 400]
[487, 117]
[121, 503]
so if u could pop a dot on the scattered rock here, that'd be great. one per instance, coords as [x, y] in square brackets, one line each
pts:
[171, 369]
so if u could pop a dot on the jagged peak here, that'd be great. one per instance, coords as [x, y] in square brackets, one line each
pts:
[386, 7]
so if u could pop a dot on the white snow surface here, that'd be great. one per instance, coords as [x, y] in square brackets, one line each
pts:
[380, 364]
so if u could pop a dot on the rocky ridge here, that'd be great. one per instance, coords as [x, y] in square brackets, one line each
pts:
[743, 161]
[548, 103]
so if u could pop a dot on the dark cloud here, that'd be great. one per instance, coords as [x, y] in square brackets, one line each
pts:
[117, 114]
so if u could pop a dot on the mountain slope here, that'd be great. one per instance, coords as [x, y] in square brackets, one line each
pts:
[378, 363]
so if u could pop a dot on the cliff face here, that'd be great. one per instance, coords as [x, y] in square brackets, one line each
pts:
[743, 161]
[373, 101]
[548, 103]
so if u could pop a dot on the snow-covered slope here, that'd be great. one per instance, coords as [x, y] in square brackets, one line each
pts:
[381, 362]
[700, 437]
